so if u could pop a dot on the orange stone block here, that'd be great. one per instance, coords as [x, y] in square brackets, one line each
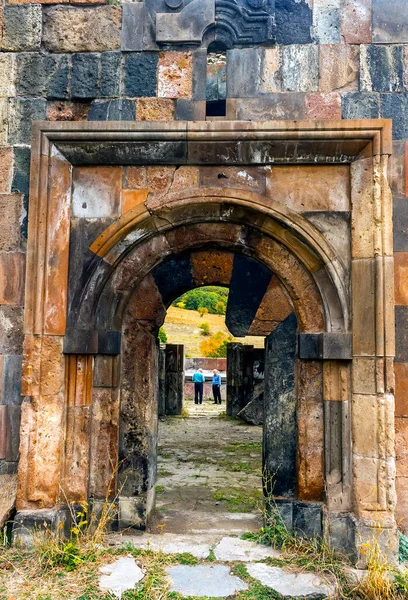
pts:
[401, 389]
[67, 111]
[6, 166]
[401, 278]
[212, 267]
[321, 106]
[76, 447]
[185, 177]
[155, 109]
[132, 198]
[12, 278]
[79, 383]
[146, 304]
[401, 446]
[135, 178]
[11, 210]
[52, 366]
[159, 179]
[175, 75]
[275, 307]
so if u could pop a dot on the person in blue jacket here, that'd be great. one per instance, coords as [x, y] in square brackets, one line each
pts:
[216, 387]
[198, 380]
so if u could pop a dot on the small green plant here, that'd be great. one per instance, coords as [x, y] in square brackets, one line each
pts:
[162, 335]
[220, 308]
[205, 329]
[202, 310]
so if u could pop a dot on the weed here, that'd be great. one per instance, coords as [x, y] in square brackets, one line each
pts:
[159, 489]
[211, 557]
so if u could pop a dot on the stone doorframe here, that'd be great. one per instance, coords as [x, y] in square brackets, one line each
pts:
[358, 375]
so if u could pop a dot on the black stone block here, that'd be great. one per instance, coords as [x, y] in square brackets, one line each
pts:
[293, 20]
[57, 69]
[80, 341]
[190, 110]
[284, 508]
[110, 75]
[308, 519]
[244, 22]
[21, 181]
[395, 107]
[112, 110]
[342, 534]
[28, 522]
[109, 342]
[42, 75]
[400, 224]
[140, 74]
[22, 112]
[173, 278]
[336, 346]
[85, 75]
[11, 387]
[309, 346]
[199, 74]
[401, 333]
[361, 105]
[13, 433]
[249, 282]
[386, 67]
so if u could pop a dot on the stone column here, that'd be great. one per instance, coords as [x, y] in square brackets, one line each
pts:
[162, 382]
[239, 377]
[174, 379]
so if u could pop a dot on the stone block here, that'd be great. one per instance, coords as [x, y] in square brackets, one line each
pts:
[175, 75]
[400, 224]
[96, 192]
[22, 27]
[293, 21]
[185, 177]
[401, 484]
[401, 389]
[271, 107]
[188, 25]
[401, 278]
[67, 111]
[11, 208]
[171, 276]
[190, 110]
[401, 334]
[309, 346]
[109, 342]
[69, 29]
[300, 68]
[361, 105]
[363, 282]
[22, 111]
[6, 168]
[11, 380]
[105, 371]
[401, 446]
[364, 376]
[390, 22]
[8, 74]
[285, 510]
[395, 107]
[199, 91]
[78, 341]
[140, 74]
[110, 75]
[85, 75]
[3, 431]
[135, 178]
[12, 278]
[338, 68]
[132, 198]
[355, 21]
[320, 106]
[362, 200]
[112, 110]
[381, 68]
[133, 25]
[308, 519]
[42, 75]
[21, 183]
[398, 170]
[335, 225]
[248, 178]
[366, 440]
[27, 522]
[341, 533]
[13, 433]
[4, 109]
[326, 21]
[242, 72]
[155, 109]
[271, 71]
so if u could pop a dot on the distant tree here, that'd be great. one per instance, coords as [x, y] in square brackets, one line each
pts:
[202, 310]
[205, 297]
[220, 308]
[216, 345]
[180, 305]
[205, 329]
[162, 335]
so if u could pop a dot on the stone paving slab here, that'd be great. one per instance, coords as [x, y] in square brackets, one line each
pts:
[291, 585]
[120, 576]
[168, 543]
[231, 549]
[203, 580]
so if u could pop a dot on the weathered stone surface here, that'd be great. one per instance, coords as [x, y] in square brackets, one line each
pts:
[242, 72]
[203, 580]
[248, 178]
[8, 492]
[381, 68]
[390, 22]
[11, 380]
[155, 109]
[338, 67]
[363, 280]
[362, 200]
[42, 75]
[186, 26]
[355, 21]
[7, 75]
[11, 211]
[109, 85]
[401, 277]
[401, 332]
[113, 110]
[3, 120]
[320, 106]
[135, 178]
[395, 107]
[104, 442]
[120, 576]
[397, 170]
[290, 585]
[326, 21]
[231, 549]
[96, 192]
[361, 105]
[140, 74]
[22, 28]
[133, 23]
[190, 110]
[267, 107]
[132, 198]
[401, 389]
[85, 75]
[69, 29]
[253, 412]
[271, 71]
[300, 68]
[6, 168]
[400, 224]
[22, 111]
[212, 267]
[174, 75]
[12, 275]
[293, 21]
[67, 111]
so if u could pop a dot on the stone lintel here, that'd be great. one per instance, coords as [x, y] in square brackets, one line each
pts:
[325, 346]
[82, 341]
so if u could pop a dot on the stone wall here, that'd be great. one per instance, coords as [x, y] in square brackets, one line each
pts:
[308, 59]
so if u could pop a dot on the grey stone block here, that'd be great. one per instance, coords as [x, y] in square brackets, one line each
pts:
[244, 22]
[361, 105]
[382, 68]
[112, 110]
[27, 522]
[22, 26]
[13, 433]
[199, 75]
[401, 333]
[293, 22]
[400, 224]
[109, 342]
[307, 519]
[187, 25]
[285, 510]
[190, 110]
[133, 24]
[341, 533]
[336, 346]
[140, 73]
[22, 112]
[110, 75]
[390, 21]
[309, 346]
[21, 181]
[79, 341]
[268, 107]
[85, 75]
[300, 68]
[242, 72]
[326, 22]
[395, 107]
[42, 75]
[11, 387]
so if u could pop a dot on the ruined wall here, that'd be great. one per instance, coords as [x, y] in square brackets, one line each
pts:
[81, 60]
